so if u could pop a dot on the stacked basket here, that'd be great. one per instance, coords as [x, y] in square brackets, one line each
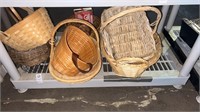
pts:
[129, 41]
[27, 39]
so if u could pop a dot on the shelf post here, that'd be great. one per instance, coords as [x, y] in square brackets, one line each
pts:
[8, 64]
[172, 17]
[165, 9]
[191, 59]
[4, 56]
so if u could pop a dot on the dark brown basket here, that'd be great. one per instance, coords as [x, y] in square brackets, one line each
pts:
[31, 57]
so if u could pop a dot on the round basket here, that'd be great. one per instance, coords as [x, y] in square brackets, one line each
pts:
[31, 57]
[129, 41]
[76, 58]
[33, 31]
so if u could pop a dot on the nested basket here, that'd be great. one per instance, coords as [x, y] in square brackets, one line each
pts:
[33, 31]
[31, 57]
[76, 58]
[129, 41]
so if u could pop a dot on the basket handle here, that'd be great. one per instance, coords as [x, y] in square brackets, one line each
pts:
[104, 24]
[15, 15]
[74, 55]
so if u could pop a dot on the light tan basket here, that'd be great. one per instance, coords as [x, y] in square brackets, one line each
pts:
[62, 65]
[33, 31]
[129, 42]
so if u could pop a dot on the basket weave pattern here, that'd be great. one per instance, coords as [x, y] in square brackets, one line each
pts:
[31, 57]
[128, 41]
[31, 32]
[76, 40]
[121, 31]
[75, 45]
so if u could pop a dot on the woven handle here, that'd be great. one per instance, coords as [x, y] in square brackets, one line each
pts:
[74, 56]
[122, 13]
[15, 15]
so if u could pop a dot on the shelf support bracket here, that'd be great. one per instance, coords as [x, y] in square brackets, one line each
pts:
[191, 59]
[172, 17]
[165, 9]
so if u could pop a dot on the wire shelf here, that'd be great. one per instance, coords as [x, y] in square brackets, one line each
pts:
[163, 64]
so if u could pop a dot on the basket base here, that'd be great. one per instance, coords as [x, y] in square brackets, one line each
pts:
[79, 78]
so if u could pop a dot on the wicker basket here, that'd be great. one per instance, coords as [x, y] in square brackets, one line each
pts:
[31, 57]
[76, 58]
[129, 41]
[31, 32]
[86, 29]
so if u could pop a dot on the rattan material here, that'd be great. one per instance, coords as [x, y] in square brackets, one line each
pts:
[31, 57]
[75, 41]
[128, 39]
[32, 31]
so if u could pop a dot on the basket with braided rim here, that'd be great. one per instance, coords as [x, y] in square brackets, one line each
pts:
[76, 58]
[31, 32]
[129, 41]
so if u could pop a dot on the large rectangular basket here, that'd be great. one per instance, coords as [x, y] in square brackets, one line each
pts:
[129, 41]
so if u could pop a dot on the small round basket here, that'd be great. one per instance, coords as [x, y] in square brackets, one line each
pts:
[129, 42]
[76, 58]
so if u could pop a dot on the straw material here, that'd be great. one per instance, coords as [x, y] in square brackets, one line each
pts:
[128, 39]
[31, 32]
[132, 67]
[31, 57]
[76, 58]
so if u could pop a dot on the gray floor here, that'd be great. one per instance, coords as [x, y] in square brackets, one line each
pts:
[165, 98]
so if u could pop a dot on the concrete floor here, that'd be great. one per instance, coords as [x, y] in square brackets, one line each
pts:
[165, 98]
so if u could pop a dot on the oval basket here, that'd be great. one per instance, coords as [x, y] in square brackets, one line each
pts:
[33, 31]
[76, 58]
[129, 41]
[31, 57]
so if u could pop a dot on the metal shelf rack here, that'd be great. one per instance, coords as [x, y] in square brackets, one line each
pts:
[167, 71]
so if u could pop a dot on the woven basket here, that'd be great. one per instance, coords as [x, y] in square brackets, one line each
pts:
[31, 32]
[76, 58]
[86, 29]
[31, 57]
[129, 41]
